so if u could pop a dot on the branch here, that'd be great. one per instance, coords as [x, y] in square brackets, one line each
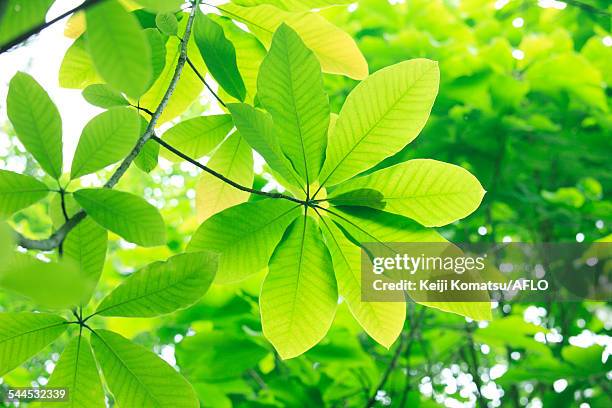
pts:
[195, 70]
[222, 177]
[35, 30]
[58, 237]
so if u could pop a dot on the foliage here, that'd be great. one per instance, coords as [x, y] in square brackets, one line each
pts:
[334, 113]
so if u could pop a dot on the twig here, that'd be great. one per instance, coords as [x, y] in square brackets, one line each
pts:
[222, 177]
[57, 237]
[473, 366]
[35, 30]
[195, 70]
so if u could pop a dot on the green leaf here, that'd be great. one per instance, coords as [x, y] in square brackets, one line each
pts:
[369, 225]
[137, 377]
[162, 287]
[161, 5]
[299, 295]
[380, 116]
[290, 87]
[148, 156]
[217, 355]
[244, 236]
[22, 335]
[335, 49]
[105, 140]
[6, 242]
[198, 136]
[77, 69]
[167, 23]
[127, 215]
[76, 371]
[233, 159]
[103, 96]
[52, 285]
[249, 54]
[294, 5]
[383, 321]
[189, 85]
[257, 128]
[18, 191]
[37, 122]
[219, 55]
[18, 16]
[118, 48]
[430, 192]
[158, 53]
[86, 245]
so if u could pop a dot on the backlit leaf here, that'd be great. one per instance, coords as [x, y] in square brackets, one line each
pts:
[103, 96]
[77, 69]
[244, 236]
[162, 287]
[167, 23]
[137, 377]
[22, 335]
[18, 191]
[18, 16]
[299, 295]
[118, 47]
[380, 116]
[106, 139]
[233, 159]
[37, 122]
[125, 214]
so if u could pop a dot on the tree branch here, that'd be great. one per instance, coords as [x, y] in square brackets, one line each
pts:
[222, 177]
[195, 70]
[58, 236]
[35, 30]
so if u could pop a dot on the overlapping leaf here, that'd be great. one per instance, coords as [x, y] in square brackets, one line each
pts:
[197, 137]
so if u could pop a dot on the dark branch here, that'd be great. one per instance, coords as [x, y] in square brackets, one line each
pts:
[222, 177]
[195, 70]
[35, 30]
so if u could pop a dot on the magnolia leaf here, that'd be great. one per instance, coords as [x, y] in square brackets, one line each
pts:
[167, 23]
[244, 236]
[76, 371]
[106, 139]
[77, 69]
[162, 287]
[19, 16]
[290, 87]
[380, 116]
[187, 89]
[37, 122]
[86, 245]
[430, 192]
[127, 215]
[198, 136]
[158, 53]
[148, 156]
[118, 48]
[299, 295]
[18, 191]
[368, 225]
[22, 335]
[137, 377]
[257, 128]
[383, 321]
[249, 54]
[53, 285]
[103, 96]
[233, 159]
[219, 55]
[335, 49]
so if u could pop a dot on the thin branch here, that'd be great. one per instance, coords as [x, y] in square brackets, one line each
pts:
[473, 366]
[35, 30]
[57, 238]
[195, 70]
[222, 177]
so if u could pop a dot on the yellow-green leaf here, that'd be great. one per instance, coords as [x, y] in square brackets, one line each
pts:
[18, 191]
